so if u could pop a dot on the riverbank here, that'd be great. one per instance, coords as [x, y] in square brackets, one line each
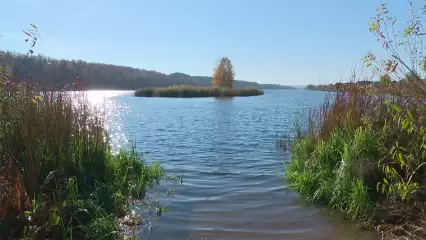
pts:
[58, 176]
[328, 88]
[364, 155]
[196, 92]
[414, 88]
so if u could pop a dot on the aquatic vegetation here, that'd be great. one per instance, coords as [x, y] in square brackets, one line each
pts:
[195, 91]
[58, 176]
[365, 157]
[55, 155]
[222, 86]
[365, 154]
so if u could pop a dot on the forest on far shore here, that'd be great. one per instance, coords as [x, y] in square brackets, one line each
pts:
[50, 72]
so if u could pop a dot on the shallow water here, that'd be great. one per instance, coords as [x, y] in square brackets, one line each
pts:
[233, 178]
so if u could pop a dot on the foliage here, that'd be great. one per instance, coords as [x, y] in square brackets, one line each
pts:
[404, 172]
[363, 152]
[224, 74]
[332, 164]
[67, 166]
[194, 92]
[58, 177]
[48, 72]
[406, 157]
[366, 153]
[406, 64]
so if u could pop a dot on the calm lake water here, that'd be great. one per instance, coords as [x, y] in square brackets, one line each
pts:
[233, 178]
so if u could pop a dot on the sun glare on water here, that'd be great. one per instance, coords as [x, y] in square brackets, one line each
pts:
[111, 111]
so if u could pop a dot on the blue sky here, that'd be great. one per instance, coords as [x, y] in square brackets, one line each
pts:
[290, 42]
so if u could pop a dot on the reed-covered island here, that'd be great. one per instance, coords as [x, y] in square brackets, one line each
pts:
[222, 86]
[195, 92]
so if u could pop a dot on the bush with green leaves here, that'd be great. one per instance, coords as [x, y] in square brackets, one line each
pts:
[365, 154]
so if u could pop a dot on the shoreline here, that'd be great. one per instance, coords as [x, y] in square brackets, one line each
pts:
[346, 160]
[68, 177]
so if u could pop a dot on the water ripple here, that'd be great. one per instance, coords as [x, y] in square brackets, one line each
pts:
[233, 185]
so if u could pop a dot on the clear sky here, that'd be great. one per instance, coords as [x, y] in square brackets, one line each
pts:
[290, 42]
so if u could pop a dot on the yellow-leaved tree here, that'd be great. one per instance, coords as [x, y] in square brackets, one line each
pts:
[224, 74]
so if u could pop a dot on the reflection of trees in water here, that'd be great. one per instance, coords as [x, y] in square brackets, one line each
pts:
[223, 98]
[223, 111]
[223, 132]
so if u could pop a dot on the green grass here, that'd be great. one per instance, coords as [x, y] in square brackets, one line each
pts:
[364, 155]
[196, 92]
[58, 176]
[329, 171]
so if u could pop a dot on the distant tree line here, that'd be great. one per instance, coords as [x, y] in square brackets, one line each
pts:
[50, 72]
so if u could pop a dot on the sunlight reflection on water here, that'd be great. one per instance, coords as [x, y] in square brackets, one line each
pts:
[104, 102]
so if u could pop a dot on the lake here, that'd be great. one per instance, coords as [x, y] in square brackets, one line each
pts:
[233, 177]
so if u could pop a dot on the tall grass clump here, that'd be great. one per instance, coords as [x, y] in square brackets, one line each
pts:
[330, 164]
[58, 176]
[365, 154]
[195, 92]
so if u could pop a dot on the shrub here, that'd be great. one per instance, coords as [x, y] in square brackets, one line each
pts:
[365, 154]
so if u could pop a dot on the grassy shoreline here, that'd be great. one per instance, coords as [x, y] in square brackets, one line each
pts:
[363, 155]
[196, 92]
[58, 177]
[415, 88]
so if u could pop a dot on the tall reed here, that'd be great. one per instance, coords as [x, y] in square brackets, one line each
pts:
[195, 92]
[58, 176]
[365, 155]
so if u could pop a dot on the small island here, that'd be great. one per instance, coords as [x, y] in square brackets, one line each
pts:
[222, 86]
[186, 91]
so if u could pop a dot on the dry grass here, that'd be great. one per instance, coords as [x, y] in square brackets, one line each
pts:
[335, 153]
[404, 231]
[196, 92]
[57, 173]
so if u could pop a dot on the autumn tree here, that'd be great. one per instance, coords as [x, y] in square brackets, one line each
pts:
[224, 74]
